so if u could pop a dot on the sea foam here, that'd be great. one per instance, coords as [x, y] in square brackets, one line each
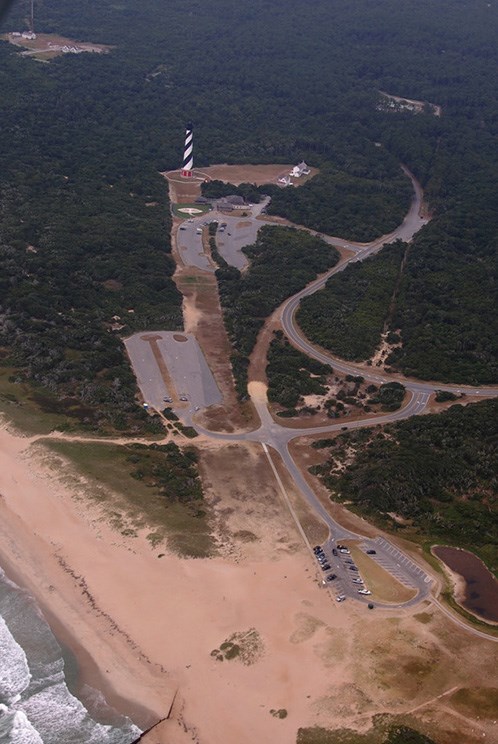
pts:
[36, 705]
[16, 729]
[14, 673]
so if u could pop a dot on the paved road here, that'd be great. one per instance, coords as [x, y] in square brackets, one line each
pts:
[294, 333]
[406, 231]
[239, 232]
[274, 435]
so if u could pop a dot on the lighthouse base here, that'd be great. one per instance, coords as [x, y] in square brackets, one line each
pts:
[187, 174]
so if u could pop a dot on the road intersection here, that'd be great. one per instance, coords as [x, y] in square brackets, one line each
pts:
[275, 437]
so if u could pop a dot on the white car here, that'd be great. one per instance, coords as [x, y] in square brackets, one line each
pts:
[340, 598]
[364, 591]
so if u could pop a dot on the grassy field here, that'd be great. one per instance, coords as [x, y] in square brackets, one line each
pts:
[128, 483]
[18, 405]
[201, 209]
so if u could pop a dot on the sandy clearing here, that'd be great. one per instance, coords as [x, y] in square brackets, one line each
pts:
[237, 174]
[256, 174]
[53, 44]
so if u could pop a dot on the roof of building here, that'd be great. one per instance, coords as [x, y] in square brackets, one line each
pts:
[224, 204]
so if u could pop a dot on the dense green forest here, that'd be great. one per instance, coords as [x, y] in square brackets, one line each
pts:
[347, 316]
[283, 261]
[84, 218]
[291, 374]
[368, 200]
[437, 472]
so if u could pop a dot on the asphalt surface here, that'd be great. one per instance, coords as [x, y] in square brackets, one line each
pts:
[190, 247]
[239, 232]
[406, 231]
[388, 557]
[167, 367]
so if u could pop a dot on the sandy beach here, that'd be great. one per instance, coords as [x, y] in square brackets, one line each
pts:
[143, 628]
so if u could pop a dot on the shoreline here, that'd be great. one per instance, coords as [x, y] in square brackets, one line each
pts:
[143, 630]
[89, 671]
[39, 526]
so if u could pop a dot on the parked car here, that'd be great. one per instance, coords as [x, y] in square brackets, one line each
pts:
[371, 552]
[331, 577]
[326, 567]
[340, 598]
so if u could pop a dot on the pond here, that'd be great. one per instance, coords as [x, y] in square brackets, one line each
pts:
[481, 587]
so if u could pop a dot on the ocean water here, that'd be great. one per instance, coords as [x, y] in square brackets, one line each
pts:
[36, 704]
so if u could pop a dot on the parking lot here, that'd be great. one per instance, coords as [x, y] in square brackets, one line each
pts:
[397, 563]
[345, 579]
[172, 365]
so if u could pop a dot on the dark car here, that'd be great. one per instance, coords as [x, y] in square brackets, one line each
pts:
[317, 549]
[326, 567]
[331, 577]
[371, 552]
[334, 551]
[353, 568]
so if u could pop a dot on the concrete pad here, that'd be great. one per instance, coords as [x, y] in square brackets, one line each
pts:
[171, 364]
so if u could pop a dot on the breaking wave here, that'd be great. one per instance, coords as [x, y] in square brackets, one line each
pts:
[36, 705]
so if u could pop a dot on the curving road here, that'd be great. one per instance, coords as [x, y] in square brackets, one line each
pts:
[412, 223]
[277, 437]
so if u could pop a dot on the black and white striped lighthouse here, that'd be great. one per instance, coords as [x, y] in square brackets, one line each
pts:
[188, 153]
